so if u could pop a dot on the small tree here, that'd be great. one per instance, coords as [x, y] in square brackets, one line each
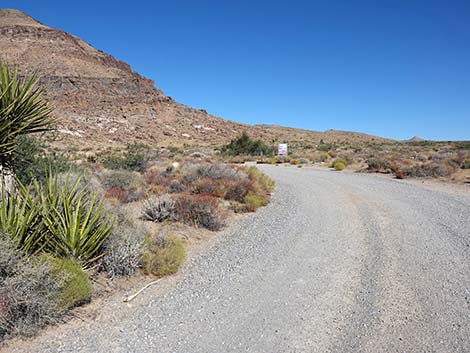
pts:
[244, 145]
[23, 111]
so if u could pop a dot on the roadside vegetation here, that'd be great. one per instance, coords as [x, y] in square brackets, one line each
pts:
[445, 160]
[67, 220]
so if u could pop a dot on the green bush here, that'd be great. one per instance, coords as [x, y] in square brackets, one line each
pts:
[253, 202]
[76, 287]
[31, 162]
[265, 182]
[339, 164]
[163, 256]
[133, 158]
[244, 145]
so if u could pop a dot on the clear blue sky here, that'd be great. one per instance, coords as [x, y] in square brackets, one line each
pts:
[393, 68]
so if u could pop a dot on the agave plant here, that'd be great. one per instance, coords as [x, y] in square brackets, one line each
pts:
[22, 111]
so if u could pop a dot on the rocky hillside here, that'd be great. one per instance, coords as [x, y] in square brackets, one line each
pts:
[99, 101]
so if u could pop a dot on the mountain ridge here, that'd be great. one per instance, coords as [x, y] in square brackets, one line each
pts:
[100, 101]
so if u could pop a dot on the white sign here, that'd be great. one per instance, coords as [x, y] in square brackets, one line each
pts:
[282, 149]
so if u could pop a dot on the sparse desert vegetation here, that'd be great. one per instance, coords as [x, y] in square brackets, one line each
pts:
[65, 221]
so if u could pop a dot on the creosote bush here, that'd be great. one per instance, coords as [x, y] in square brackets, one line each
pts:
[163, 255]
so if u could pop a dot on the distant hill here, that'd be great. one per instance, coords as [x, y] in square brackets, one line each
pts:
[415, 139]
[99, 101]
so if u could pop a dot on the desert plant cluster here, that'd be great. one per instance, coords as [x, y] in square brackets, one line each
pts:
[66, 222]
[447, 160]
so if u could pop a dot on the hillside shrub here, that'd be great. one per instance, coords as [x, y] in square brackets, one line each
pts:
[122, 185]
[135, 157]
[244, 145]
[163, 255]
[31, 162]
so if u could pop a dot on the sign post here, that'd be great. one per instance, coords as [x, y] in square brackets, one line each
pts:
[282, 149]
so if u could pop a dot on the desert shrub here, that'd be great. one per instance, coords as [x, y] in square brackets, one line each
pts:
[428, 170]
[253, 202]
[208, 186]
[199, 210]
[75, 287]
[123, 251]
[31, 162]
[159, 209]
[135, 157]
[176, 187]
[217, 171]
[462, 145]
[125, 186]
[324, 157]
[262, 180]
[28, 292]
[378, 165]
[244, 145]
[238, 190]
[163, 256]
[339, 164]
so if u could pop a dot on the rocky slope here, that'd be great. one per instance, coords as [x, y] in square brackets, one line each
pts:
[99, 101]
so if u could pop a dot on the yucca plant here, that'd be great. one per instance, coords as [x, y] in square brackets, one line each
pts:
[21, 219]
[73, 218]
[22, 111]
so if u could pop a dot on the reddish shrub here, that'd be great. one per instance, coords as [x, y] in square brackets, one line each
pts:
[209, 187]
[116, 192]
[238, 190]
[199, 210]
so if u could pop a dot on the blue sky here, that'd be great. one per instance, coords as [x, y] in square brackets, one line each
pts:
[395, 68]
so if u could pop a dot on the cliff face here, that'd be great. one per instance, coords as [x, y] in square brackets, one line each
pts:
[100, 101]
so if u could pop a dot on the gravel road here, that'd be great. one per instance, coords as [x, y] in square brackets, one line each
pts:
[338, 262]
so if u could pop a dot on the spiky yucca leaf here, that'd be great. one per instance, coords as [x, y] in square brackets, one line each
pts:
[20, 218]
[22, 111]
[73, 218]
